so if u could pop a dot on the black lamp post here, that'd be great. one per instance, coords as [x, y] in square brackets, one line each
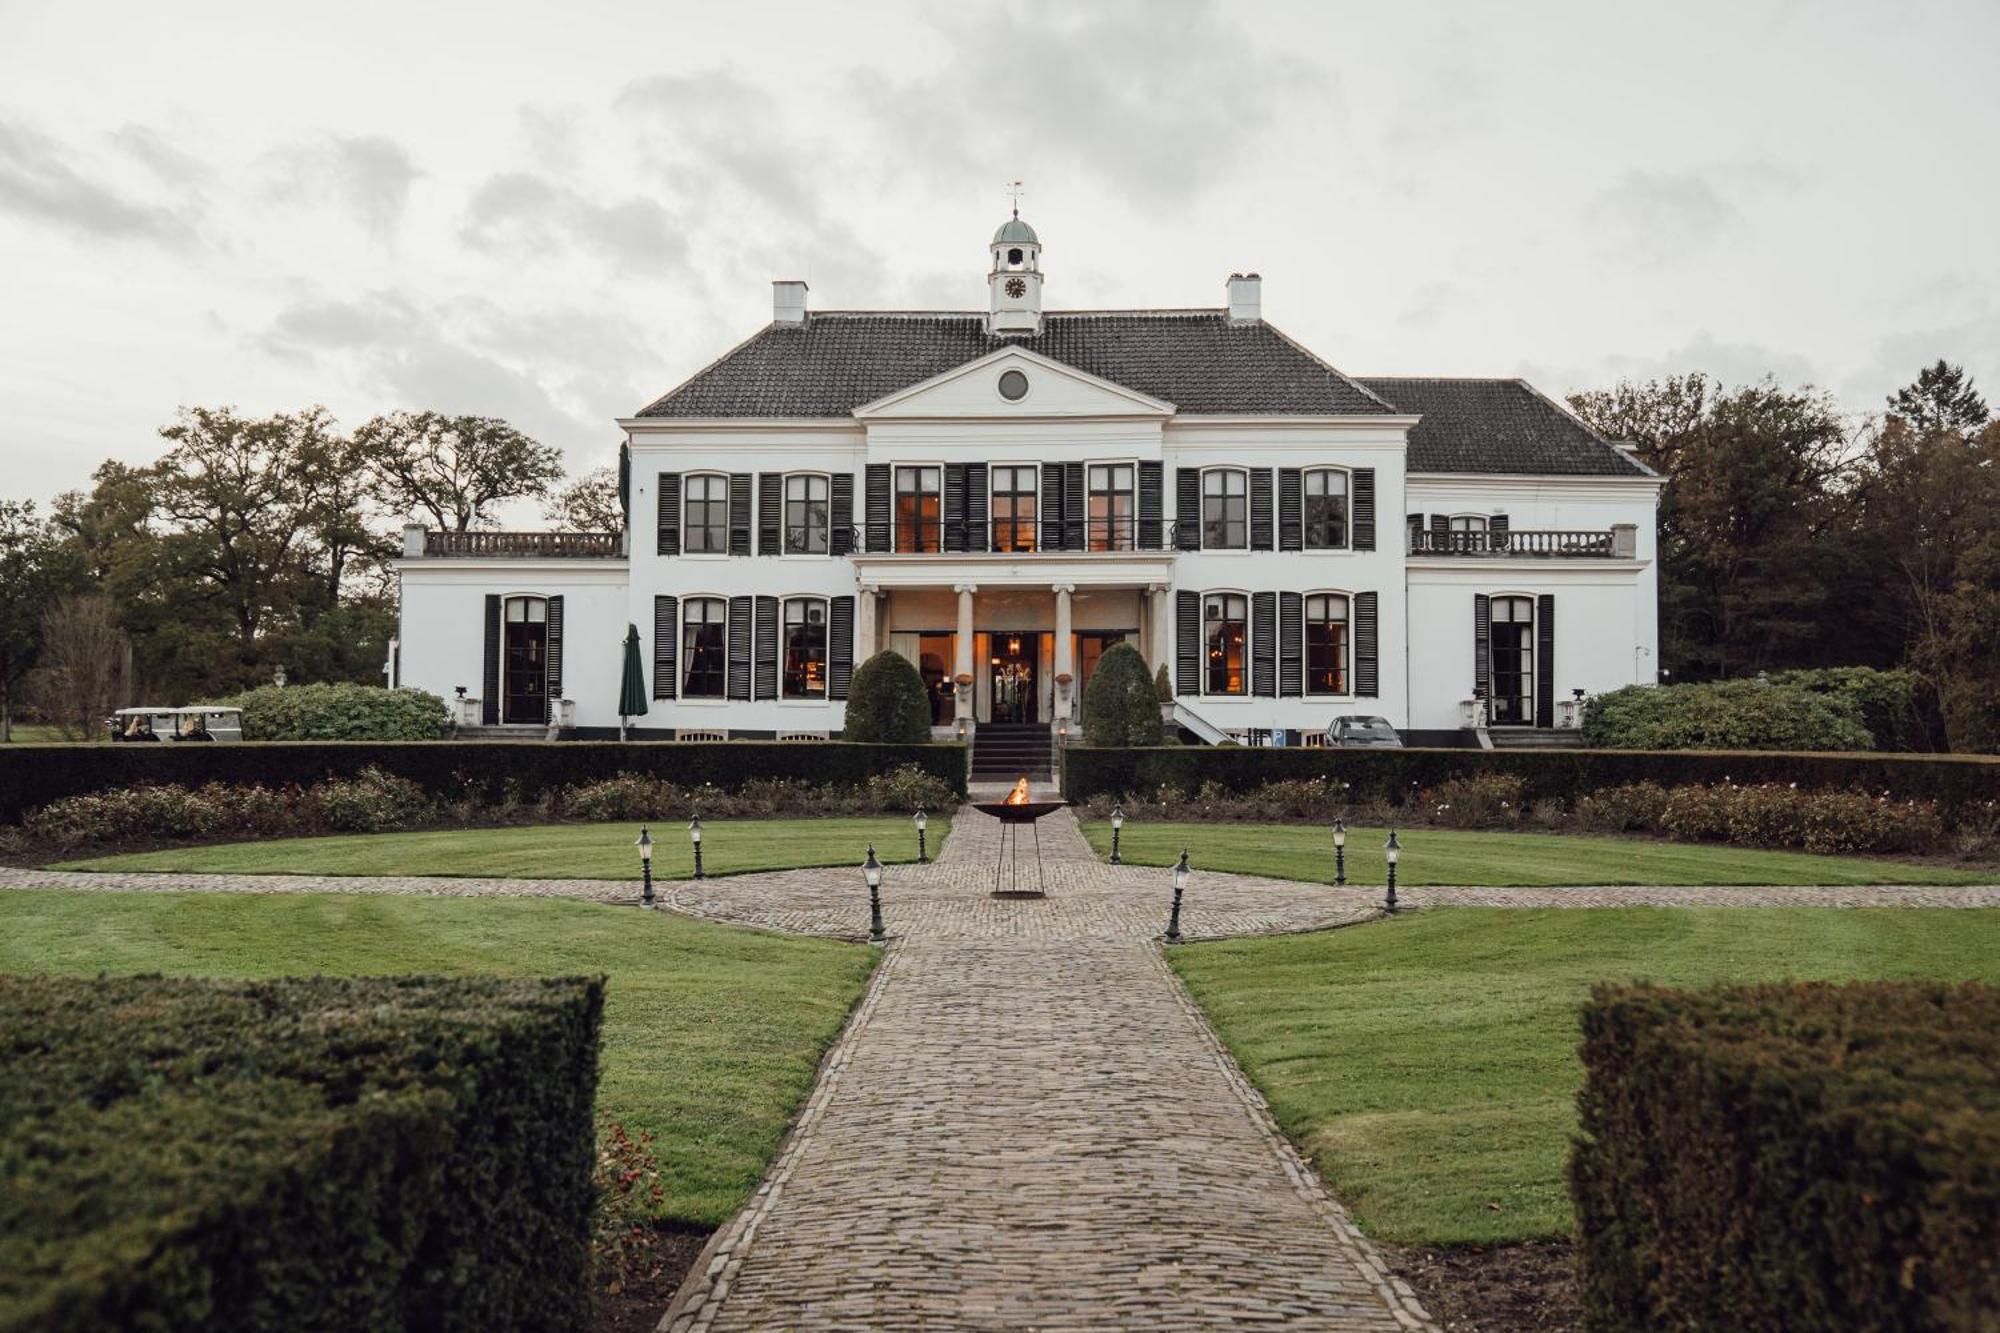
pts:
[1391, 851]
[871, 870]
[645, 846]
[1339, 852]
[694, 837]
[1117, 822]
[923, 821]
[1180, 887]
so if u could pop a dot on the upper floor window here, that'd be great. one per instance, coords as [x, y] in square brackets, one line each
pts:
[805, 648]
[1326, 644]
[706, 514]
[1225, 621]
[1013, 508]
[805, 515]
[1225, 510]
[1468, 523]
[1111, 507]
[917, 508]
[1325, 509]
[704, 647]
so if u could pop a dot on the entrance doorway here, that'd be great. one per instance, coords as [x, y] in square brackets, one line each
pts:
[524, 663]
[1013, 665]
[1513, 661]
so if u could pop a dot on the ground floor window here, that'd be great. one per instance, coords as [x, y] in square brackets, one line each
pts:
[1226, 620]
[805, 648]
[1512, 647]
[705, 647]
[1326, 644]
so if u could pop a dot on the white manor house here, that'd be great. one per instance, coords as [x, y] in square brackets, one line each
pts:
[1001, 495]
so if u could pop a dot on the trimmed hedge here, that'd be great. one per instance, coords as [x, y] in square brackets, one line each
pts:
[296, 1154]
[1396, 776]
[1790, 1157]
[340, 712]
[34, 775]
[1726, 715]
[887, 702]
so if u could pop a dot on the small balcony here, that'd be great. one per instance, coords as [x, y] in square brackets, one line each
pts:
[512, 545]
[1619, 542]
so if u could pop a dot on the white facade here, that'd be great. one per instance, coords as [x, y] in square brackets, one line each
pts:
[1007, 634]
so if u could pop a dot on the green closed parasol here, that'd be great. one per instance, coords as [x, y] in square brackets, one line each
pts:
[632, 687]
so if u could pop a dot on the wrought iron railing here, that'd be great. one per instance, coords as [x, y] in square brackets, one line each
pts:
[567, 545]
[1511, 541]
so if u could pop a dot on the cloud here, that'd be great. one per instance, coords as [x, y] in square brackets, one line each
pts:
[1660, 218]
[369, 175]
[1162, 99]
[1732, 363]
[39, 181]
[521, 212]
[166, 161]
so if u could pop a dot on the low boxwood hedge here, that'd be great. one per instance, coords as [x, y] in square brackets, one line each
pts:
[1396, 775]
[1790, 1157]
[296, 1155]
[34, 775]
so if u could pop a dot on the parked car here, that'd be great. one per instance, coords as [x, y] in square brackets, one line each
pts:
[203, 722]
[1360, 731]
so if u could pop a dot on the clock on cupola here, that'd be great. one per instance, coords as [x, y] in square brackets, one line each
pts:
[1014, 285]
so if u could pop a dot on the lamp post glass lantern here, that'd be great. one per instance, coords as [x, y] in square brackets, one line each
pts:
[1339, 852]
[694, 838]
[645, 846]
[1117, 823]
[871, 870]
[1392, 852]
[1180, 887]
[922, 821]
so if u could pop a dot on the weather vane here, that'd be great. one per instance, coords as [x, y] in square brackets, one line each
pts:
[1014, 193]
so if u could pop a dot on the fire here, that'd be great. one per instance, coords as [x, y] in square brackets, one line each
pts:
[1018, 796]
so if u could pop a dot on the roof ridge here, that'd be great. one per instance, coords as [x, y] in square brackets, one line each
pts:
[1330, 368]
[754, 336]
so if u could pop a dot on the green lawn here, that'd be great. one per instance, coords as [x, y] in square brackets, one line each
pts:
[1451, 856]
[712, 1035]
[553, 851]
[1427, 1063]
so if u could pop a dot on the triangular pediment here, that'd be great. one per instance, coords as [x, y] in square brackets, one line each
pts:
[975, 389]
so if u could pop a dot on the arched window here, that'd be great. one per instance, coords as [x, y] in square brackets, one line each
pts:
[704, 647]
[806, 523]
[1327, 643]
[805, 648]
[1226, 625]
[1511, 642]
[1468, 522]
[1225, 509]
[705, 514]
[1326, 509]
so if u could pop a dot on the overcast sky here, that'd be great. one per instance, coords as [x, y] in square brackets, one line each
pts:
[553, 213]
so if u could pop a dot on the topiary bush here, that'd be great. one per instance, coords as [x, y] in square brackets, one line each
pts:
[1725, 715]
[1805, 1156]
[1121, 705]
[296, 1156]
[1163, 686]
[887, 703]
[340, 712]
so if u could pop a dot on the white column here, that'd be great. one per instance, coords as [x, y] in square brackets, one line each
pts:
[865, 636]
[1065, 652]
[963, 666]
[1160, 616]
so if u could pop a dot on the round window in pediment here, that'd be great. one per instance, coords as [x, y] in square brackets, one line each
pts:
[1013, 386]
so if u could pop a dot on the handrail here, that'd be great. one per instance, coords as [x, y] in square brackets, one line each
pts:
[1513, 541]
[1209, 733]
[565, 545]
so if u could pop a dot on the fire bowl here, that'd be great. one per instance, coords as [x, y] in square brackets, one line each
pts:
[1026, 812]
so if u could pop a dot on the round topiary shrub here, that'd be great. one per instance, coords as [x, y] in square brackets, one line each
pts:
[887, 703]
[1120, 706]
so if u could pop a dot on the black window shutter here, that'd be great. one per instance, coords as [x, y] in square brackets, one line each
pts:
[1545, 660]
[1291, 509]
[670, 513]
[1052, 507]
[1291, 644]
[739, 513]
[770, 513]
[842, 537]
[954, 506]
[1482, 645]
[1152, 501]
[1367, 649]
[739, 647]
[1187, 508]
[1073, 510]
[1364, 509]
[839, 647]
[1440, 532]
[666, 646]
[554, 657]
[489, 676]
[1416, 522]
[767, 648]
[1264, 643]
[878, 507]
[977, 528]
[1187, 642]
[1260, 509]
[1496, 532]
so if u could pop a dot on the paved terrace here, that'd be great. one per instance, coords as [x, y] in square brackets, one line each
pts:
[1028, 1124]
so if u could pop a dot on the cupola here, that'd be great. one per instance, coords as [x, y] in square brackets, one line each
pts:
[1014, 283]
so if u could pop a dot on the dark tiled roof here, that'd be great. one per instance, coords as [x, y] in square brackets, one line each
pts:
[1497, 426]
[1194, 359]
